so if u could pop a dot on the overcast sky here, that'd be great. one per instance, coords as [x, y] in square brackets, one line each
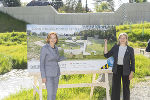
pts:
[91, 3]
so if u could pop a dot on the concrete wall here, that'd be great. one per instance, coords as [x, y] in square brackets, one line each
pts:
[129, 12]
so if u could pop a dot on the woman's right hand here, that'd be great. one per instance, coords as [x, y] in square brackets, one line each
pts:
[105, 41]
[44, 80]
[105, 46]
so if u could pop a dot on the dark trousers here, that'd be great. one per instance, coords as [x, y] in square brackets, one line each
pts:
[116, 85]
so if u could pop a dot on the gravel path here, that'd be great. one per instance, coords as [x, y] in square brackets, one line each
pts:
[141, 91]
[13, 82]
[137, 51]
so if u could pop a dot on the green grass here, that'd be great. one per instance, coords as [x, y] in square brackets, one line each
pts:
[138, 34]
[14, 46]
[71, 46]
[142, 66]
[5, 63]
[14, 51]
[13, 38]
[18, 55]
[62, 94]
[67, 93]
[10, 24]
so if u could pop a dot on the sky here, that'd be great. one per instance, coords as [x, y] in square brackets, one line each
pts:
[91, 3]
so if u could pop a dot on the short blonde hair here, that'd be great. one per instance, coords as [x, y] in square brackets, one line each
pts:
[49, 36]
[121, 34]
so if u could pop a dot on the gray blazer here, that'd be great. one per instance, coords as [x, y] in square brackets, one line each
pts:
[49, 61]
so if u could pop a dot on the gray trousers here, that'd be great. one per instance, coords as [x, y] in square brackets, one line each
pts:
[51, 86]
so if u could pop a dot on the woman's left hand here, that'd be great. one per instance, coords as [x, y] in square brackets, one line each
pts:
[131, 75]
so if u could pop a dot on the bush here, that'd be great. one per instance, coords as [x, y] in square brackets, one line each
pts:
[5, 64]
[12, 38]
[142, 66]
[136, 32]
[19, 63]
[18, 54]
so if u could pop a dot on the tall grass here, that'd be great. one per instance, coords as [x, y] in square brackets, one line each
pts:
[62, 94]
[5, 63]
[136, 32]
[13, 57]
[18, 54]
[142, 66]
[14, 45]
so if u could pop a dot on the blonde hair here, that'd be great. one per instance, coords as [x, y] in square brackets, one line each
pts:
[49, 36]
[123, 34]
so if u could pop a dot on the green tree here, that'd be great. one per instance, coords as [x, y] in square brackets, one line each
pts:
[137, 1]
[104, 3]
[79, 8]
[57, 4]
[68, 7]
[12, 3]
[72, 6]
[103, 7]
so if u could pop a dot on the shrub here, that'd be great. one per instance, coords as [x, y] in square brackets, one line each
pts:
[142, 66]
[5, 63]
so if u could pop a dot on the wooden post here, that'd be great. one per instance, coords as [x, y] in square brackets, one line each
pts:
[34, 82]
[92, 88]
[107, 87]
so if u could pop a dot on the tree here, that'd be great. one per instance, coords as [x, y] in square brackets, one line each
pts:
[57, 4]
[137, 1]
[12, 3]
[68, 7]
[79, 8]
[111, 4]
[72, 6]
[103, 7]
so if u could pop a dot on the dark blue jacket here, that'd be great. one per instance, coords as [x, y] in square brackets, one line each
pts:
[128, 61]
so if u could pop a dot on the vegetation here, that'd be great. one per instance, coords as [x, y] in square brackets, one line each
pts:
[103, 7]
[142, 66]
[142, 69]
[62, 94]
[13, 48]
[137, 1]
[6, 63]
[66, 94]
[13, 51]
[72, 6]
[12, 3]
[10, 24]
[138, 34]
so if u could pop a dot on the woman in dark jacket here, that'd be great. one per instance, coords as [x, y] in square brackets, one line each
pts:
[124, 66]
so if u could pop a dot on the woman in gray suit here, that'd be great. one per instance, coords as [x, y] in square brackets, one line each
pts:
[50, 71]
